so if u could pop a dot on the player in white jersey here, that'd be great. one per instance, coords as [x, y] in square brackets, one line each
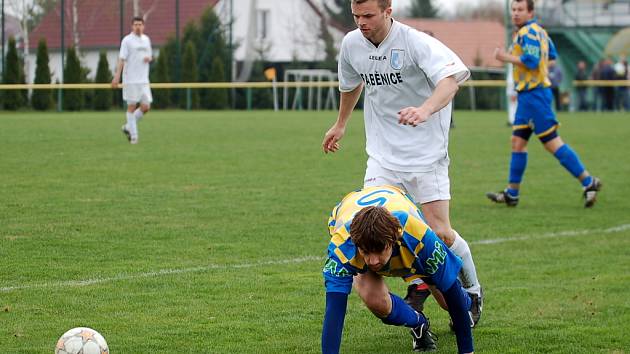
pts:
[133, 62]
[410, 79]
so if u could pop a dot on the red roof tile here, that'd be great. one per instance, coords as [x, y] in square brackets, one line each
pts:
[469, 39]
[99, 21]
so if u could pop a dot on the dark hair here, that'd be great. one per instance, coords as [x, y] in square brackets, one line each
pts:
[374, 228]
[383, 4]
[137, 18]
[530, 4]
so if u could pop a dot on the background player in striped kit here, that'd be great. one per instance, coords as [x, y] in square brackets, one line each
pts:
[531, 53]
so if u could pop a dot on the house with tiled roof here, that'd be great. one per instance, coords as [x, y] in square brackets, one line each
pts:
[473, 41]
[279, 30]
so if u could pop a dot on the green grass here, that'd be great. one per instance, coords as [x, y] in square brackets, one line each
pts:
[209, 236]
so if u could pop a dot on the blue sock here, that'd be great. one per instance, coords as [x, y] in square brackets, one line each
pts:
[458, 305]
[570, 160]
[512, 192]
[518, 163]
[402, 314]
[587, 181]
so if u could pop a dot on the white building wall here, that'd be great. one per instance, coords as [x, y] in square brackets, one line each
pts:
[293, 29]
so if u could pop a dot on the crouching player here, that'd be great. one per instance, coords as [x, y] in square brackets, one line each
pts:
[377, 232]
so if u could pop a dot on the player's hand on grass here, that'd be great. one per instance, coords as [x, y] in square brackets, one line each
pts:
[413, 116]
[332, 137]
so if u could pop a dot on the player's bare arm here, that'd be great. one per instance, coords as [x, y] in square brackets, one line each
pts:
[119, 69]
[346, 105]
[443, 94]
[503, 56]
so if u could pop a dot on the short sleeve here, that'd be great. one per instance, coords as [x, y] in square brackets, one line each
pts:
[530, 43]
[124, 50]
[337, 276]
[435, 58]
[349, 79]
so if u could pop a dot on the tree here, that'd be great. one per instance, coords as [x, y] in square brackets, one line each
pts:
[213, 48]
[217, 98]
[42, 99]
[488, 10]
[14, 74]
[330, 61]
[160, 73]
[189, 73]
[72, 73]
[341, 13]
[422, 9]
[103, 97]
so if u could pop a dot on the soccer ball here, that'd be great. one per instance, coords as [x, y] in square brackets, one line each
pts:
[81, 340]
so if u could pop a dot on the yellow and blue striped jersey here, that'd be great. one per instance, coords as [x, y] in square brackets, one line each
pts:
[344, 260]
[534, 47]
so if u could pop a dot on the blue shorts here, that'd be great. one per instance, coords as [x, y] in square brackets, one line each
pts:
[534, 113]
[438, 263]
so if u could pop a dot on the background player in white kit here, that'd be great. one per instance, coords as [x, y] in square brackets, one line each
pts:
[133, 62]
[410, 79]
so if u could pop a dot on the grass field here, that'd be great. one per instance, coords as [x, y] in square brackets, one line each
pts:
[209, 236]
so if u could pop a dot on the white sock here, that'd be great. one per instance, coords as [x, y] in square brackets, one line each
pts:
[138, 114]
[131, 125]
[468, 274]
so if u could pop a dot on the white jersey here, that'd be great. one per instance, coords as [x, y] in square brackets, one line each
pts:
[133, 50]
[401, 72]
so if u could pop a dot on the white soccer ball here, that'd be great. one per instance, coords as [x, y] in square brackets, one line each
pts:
[81, 340]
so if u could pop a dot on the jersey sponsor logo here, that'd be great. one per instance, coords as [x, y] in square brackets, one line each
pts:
[377, 57]
[397, 59]
[437, 258]
[532, 50]
[382, 79]
[367, 199]
[331, 268]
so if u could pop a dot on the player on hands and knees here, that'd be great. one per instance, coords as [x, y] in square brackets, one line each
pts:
[532, 51]
[410, 79]
[378, 232]
[133, 62]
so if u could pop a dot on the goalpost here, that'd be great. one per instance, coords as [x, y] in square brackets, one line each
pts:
[318, 79]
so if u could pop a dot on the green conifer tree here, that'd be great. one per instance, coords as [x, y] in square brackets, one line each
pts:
[160, 73]
[72, 73]
[14, 74]
[217, 98]
[214, 48]
[189, 73]
[423, 9]
[42, 99]
[103, 97]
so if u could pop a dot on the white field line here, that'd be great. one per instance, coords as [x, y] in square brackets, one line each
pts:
[573, 233]
[164, 272]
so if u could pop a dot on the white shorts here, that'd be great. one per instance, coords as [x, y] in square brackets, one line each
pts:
[137, 93]
[423, 187]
